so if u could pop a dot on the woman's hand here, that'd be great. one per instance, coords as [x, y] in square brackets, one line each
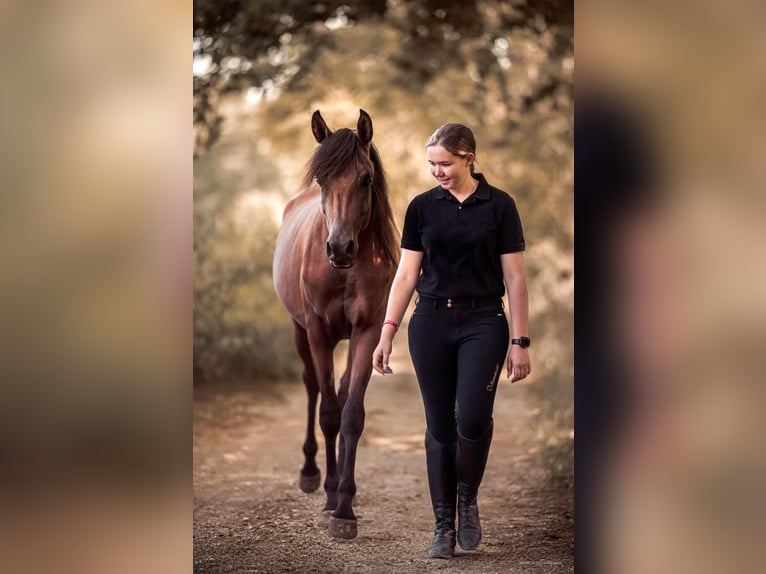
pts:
[518, 363]
[382, 354]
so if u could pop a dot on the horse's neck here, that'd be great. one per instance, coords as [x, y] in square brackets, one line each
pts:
[382, 214]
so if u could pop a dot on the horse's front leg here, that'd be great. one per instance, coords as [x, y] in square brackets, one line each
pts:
[329, 407]
[310, 476]
[343, 520]
[342, 398]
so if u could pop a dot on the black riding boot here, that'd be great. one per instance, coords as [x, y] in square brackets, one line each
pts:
[471, 461]
[440, 461]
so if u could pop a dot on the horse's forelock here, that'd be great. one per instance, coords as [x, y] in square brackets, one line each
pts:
[335, 154]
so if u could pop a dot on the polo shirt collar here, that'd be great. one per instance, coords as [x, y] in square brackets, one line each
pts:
[482, 191]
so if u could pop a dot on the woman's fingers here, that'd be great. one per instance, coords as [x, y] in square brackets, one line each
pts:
[380, 359]
[386, 369]
[520, 372]
[377, 360]
[518, 363]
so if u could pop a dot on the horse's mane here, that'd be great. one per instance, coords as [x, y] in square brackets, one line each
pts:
[331, 158]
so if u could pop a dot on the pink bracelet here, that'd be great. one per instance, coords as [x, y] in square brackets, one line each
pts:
[392, 323]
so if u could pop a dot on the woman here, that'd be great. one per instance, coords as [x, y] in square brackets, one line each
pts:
[462, 246]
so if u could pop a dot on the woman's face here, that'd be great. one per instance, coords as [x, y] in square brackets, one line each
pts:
[450, 170]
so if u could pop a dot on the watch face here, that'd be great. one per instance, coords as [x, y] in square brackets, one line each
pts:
[522, 342]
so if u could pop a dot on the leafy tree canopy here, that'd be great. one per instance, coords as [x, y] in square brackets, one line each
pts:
[239, 44]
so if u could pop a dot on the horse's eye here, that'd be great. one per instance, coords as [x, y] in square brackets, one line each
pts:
[367, 180]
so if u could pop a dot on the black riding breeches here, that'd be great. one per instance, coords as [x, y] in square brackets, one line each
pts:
[459, 352]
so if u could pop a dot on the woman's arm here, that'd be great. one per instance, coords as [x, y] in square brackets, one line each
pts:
[405, 281]
[515, 277]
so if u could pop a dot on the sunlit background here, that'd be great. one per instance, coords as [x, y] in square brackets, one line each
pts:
[504, 71]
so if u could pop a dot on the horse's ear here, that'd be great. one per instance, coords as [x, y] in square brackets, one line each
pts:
[319, 127]
[364, 127]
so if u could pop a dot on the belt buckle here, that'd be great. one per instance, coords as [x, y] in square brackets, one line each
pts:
[449, 303]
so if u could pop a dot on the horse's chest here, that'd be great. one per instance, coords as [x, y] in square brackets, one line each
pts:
[343, 298]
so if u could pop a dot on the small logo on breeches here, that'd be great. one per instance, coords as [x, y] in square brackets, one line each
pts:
[491, 384]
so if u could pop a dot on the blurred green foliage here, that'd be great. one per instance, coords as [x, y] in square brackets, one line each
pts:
[278, 43]
[503, 68]
[240, 329]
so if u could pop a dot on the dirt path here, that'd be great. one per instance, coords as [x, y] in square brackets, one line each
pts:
[250, 516]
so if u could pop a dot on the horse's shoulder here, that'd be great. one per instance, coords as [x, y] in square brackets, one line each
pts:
[303, 198]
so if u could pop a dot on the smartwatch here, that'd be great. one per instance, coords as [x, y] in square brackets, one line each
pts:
[522, 342]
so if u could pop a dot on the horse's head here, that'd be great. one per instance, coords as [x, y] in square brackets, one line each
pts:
[346, 174]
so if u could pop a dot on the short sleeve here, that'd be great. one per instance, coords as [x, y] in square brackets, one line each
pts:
[511, 236]
[411, 234]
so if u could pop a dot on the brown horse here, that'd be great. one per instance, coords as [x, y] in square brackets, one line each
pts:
[334, 261]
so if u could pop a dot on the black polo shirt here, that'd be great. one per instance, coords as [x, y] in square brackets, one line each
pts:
[462, 243]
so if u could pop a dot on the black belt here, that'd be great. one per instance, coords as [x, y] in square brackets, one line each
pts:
[450, 302]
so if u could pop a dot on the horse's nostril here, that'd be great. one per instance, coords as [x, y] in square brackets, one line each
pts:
[350, 248]
[329, 250]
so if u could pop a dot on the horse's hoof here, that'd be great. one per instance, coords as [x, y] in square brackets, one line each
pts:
[343, 528]
[310, 483]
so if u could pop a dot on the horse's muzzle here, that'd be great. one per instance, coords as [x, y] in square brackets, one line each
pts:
[341, 256]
